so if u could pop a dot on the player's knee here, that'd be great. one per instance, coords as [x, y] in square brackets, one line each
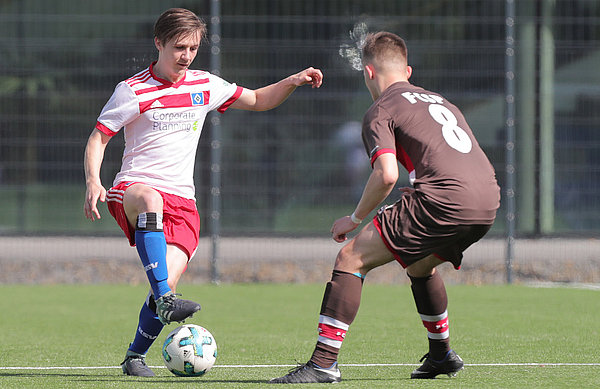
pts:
[424, 267]
[139, 199]
[151, 201]
[348, 261]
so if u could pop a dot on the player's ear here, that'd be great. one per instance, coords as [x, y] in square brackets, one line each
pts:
[157, 44]
[408, 72]
[370, 71]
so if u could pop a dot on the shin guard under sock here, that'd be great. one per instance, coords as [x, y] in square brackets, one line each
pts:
[338, 310]
[432, 303]
[152, 248]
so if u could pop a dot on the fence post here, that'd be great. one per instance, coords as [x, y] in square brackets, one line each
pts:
[215, 143]
[526, 154]
[547, 118]
[509, 64]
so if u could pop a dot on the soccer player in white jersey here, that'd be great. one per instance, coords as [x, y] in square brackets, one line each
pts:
[162, 110]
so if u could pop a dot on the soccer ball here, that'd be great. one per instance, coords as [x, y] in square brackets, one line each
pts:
[189, 351]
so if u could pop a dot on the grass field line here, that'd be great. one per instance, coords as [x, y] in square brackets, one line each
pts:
[524, 364]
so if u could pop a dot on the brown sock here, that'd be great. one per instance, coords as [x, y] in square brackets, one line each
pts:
[432, 303]
[338, 310]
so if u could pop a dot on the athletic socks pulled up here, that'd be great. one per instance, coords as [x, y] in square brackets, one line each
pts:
[432, 303]
[338, 310]
[152, 249]
[149, 327]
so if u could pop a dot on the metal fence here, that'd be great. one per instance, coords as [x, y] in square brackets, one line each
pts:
[293, 170]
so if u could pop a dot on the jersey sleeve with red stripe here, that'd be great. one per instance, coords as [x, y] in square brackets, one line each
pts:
[224, 95]
[379, 138]
[378, 133]
[121, 108]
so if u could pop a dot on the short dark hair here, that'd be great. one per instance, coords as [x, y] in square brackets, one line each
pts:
[177, 22]
[382, 47]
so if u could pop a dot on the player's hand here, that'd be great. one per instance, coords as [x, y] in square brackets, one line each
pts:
[310, 76]
[341, 227]
[93, 193]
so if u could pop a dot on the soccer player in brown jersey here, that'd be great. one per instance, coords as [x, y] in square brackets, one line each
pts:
[452, 205]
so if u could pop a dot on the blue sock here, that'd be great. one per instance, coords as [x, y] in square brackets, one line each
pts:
[148, 329]
[152, 248]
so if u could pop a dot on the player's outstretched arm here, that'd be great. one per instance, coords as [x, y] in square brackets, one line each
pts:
[92, 160]
[271, 96]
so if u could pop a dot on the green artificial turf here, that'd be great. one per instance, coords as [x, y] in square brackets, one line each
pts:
[75, 336]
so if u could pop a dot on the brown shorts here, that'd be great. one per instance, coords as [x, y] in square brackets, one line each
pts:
[411, 233]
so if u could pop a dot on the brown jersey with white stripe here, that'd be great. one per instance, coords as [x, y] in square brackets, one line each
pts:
[432, 140]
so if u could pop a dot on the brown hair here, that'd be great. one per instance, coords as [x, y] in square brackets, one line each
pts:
[178, 22]
[384, 47]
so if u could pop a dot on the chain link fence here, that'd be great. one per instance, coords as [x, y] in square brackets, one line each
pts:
[293, 170]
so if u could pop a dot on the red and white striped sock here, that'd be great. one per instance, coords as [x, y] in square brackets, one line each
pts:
[430, 298]
[437, 325]
[338, 310]
[332, 332]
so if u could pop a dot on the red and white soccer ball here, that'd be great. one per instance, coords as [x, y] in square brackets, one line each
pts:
[189, 351]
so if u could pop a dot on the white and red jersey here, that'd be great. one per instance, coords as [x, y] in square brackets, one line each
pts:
[163, 122]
